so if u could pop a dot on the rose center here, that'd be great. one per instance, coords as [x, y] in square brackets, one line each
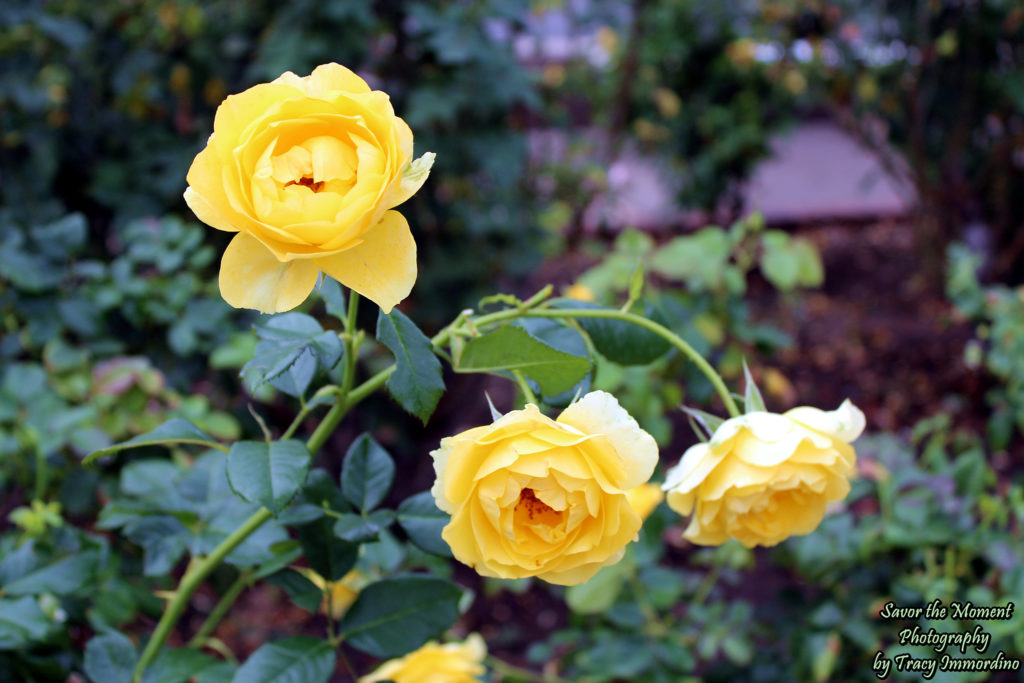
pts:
[306, 182]
[533, 507]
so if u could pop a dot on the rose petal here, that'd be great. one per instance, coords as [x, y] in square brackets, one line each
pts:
[845, 423]
[383, 267]
[600, 413]
[250, 277]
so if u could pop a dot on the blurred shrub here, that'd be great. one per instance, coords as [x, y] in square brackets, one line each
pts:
[998, 312]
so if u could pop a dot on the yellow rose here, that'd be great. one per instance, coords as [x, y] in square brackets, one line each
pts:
[645, 499]
[433, 663]
[305, 170]
[764, 477]
[532, 496]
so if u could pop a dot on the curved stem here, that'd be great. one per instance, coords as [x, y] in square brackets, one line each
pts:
[708, 583]
[528, 395]
[343, 402]
[190, 583]
[221, 609]
[660, 330]
[371, 385]
[199, 570]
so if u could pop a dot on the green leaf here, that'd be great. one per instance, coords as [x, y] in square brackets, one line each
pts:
[752, 400]
[328, 555]
[366, 474]
[513, 348]
[293, 660]
[322, 492]
[397, 615]
[21, 622]
[163, 539]
[334, 298]
[221, 672]
[636, 282]
[60, 578]
[790, 263]
[619, 341]
[301, 590]
[706, 420]
[268, 473]
[110, 658]
[175, 430]
[664, 586]
[178, 666]
[291, 347]
[416, 383]
[423, 521]
[699, 259]
[64, 235]
[599, 593]
[359, 528]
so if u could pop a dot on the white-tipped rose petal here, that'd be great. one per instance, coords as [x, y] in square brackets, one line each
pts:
[440, 456]
[207, 212]
[413, 177]
[600, 413]
[845, 423]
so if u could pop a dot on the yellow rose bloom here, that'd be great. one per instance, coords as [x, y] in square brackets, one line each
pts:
[764, 477]
[433, 663]
[305, 171]
[532, 496]
[645, 499]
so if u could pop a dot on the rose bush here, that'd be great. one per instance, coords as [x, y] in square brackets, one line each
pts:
[306, 172]
[764, 477]
[532, 496]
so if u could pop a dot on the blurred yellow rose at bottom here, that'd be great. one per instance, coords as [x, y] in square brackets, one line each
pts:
[435, 663]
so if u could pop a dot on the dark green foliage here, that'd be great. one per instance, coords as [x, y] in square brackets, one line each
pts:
[417, 383]
[513, 348]
[397, 615]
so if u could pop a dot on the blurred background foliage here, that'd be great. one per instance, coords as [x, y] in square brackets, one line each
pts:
[112, 322]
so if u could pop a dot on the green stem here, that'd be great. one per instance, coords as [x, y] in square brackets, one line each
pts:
[524, 387]
[222, 607]
[299, 417]
[706, 586]
[195, 575]
[643, 601]
[198, 571]
[369, 386]
[660, 330]
[42, 474]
